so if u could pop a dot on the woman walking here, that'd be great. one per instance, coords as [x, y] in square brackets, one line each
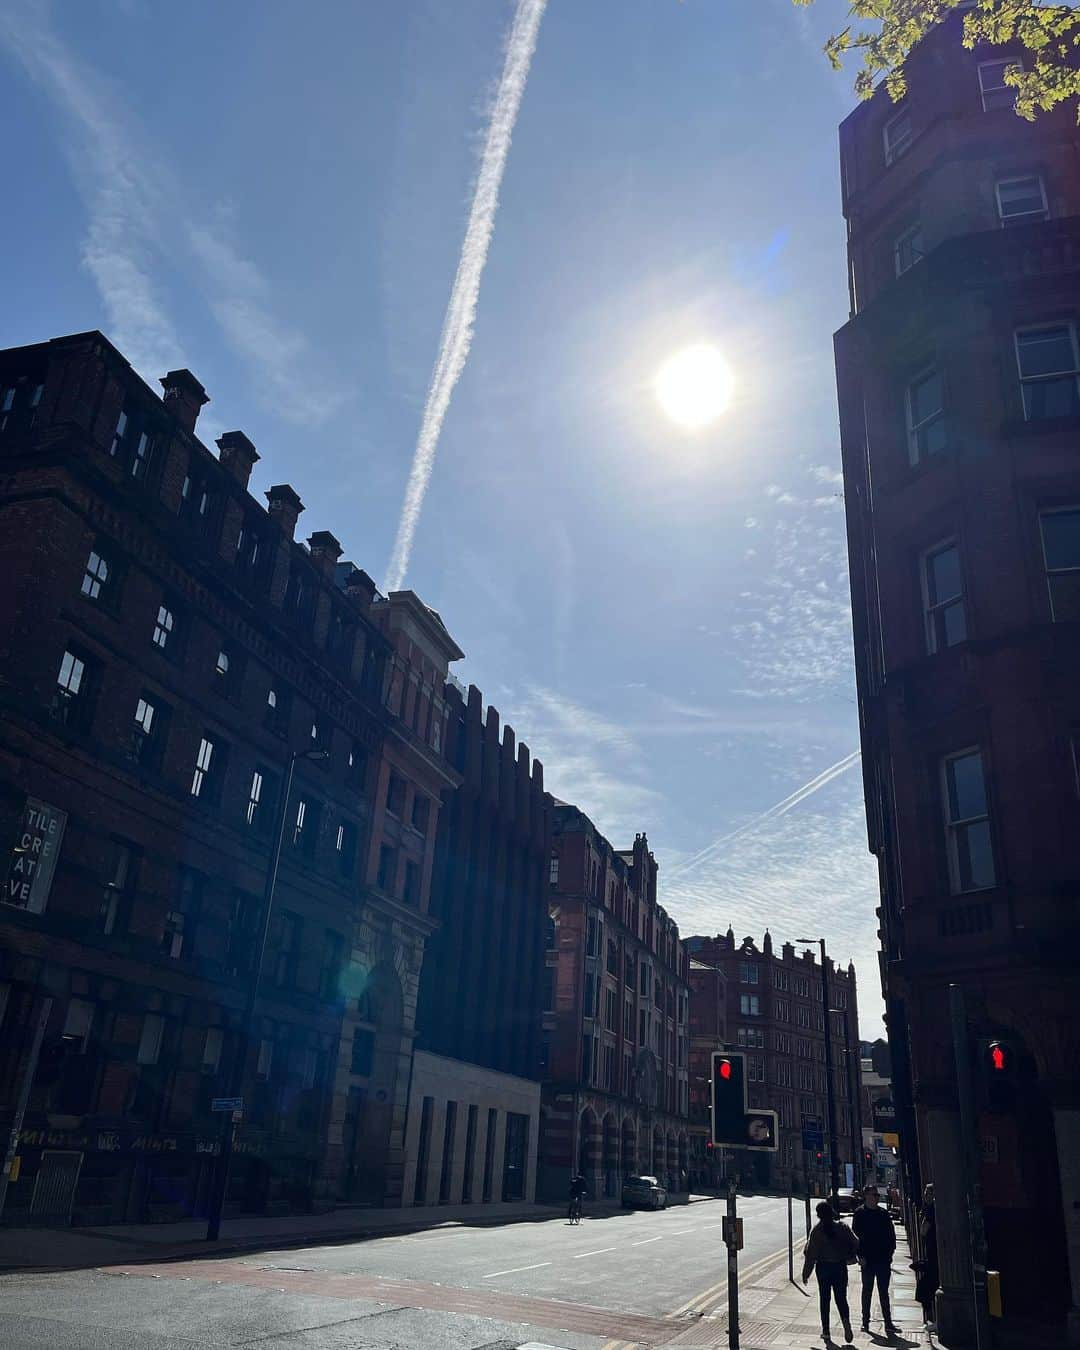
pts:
[831, 1248]
[926, 1269]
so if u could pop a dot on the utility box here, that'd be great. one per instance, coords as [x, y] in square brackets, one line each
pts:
[993, 1292]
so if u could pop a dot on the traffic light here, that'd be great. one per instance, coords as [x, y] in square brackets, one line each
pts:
[999, 1076]
[999, 1057]
[734, 1124]
[868, 1157]
[709, 1146]
[819, 1157]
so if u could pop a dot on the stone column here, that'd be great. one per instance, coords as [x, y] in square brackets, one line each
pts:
[1067, 1130]
[499, 1159]
[955, 1314]
[435, 1152]
[531, 1156]
[457, 1166]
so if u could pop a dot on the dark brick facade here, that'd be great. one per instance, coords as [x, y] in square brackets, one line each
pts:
[165, 646]
[616, 1029]
[960, 410]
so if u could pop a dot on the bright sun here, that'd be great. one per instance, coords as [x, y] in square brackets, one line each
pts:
[695, 386]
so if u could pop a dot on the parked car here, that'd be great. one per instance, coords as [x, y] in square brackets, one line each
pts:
[848, 1199]
[643, 1193]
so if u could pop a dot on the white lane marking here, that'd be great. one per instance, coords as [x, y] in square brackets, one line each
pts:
[517, 1269]
[680, 1231]
[599, 1252]
[644, 1240]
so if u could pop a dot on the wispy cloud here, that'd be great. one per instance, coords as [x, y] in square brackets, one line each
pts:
[139, 226]
[460, 316]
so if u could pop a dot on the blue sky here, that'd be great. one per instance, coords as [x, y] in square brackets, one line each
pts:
[275, 195]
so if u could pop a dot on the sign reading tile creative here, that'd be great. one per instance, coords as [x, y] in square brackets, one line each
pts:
[33, 857]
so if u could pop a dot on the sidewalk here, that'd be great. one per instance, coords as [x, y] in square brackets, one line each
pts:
[77, 1248]
[775, 1314]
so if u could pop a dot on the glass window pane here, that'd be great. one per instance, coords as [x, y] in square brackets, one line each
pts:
[1051, 398]
[1065, 597]
[1020, 196]
[967, 789]
[975, 856]
[943, 575]
[1061, 539]
[925, 395]
[1045, 351]
[953, 623]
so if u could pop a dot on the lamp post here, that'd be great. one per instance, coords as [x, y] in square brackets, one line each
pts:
[830, 1090]
[243, 1050]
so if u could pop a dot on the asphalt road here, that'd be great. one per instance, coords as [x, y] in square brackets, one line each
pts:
[461, 1288]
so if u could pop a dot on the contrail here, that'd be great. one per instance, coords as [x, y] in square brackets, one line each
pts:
[781, 808]
[460, 317]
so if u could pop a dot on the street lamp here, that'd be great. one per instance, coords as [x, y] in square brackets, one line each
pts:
[830, 1093]
[239, 1062]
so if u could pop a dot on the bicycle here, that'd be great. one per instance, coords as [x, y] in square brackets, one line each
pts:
[574, 1213]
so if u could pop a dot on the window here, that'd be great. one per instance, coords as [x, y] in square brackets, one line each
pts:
[395, 795]
[72, 699]
[749, 1005]
[211, 1055]
[278, 710]
[306, 825]
[163, 627]
[643, 1026]
[1021, 199]
[345, 847]
[781, 1010]
[411, 893]
[140, 460]
[119, 435]
[172, 934]
[98, 579]
[802, 1015]
[287, 944]
[1061, 556]
[204, 761]
[908, 248]
[610, 1013]
[783, 1073]
[779, 978]
[387, 875]
[967, 822]
[995, 92]
[228, 671]
[78, 1020]
[357, 766]
[749, 973]
[149, 731]
[802, 986]
[421, 810]
[897, 135]
[943, 598]
[196, 503]
[553, 870]
[1049, 371]
[265, 1061]
[150, 1041]
[330, 966]
[925, 416]
[254, 806]
[248, 551]
[119, 884]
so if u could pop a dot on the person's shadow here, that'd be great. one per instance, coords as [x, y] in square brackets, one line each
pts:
[893, 1338]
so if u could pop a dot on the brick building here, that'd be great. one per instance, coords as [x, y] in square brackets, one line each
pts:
[959, 390]
[772, 1011]
[708, 1033]
[616, 1029]
[166, 648]
[474, 1104]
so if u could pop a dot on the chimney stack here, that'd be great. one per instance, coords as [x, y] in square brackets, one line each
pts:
[360, 586]
[238, 456]
[285, 507]
[325, 551]
[184, 396]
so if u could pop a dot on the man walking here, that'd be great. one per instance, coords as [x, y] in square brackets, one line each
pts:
[877, 1242]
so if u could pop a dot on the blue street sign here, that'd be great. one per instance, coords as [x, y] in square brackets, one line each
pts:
[227, 1104]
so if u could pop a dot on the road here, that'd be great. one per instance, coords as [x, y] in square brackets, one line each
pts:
[619, 1278]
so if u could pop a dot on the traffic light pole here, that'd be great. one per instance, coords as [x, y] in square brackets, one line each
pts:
[830, 1086]
[732, 1270]
[965, 1091]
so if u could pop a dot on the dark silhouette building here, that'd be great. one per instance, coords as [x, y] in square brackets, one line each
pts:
[166, 647]
[616, 1030]
[959, 392]
[474, 1109]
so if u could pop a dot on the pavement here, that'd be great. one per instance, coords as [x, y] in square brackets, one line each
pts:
[618, 1280]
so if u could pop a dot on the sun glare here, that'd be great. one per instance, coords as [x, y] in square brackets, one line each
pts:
[694, 386]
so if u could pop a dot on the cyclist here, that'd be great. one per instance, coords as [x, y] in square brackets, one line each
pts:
[578, 1190]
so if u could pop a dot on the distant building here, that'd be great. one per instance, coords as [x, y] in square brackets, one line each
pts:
[166, 649]
[616, 1091]
[474, 1102]
[958, 377]
[773, 1013]
[880, 1140]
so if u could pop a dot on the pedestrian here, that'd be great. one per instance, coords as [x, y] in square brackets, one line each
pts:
[877, 1242]
[926, 1268]
[831, 1248]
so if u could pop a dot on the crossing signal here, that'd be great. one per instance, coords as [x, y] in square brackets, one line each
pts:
[999, 1076]
[999, 1057]
[734, 1123]
[818, 1156]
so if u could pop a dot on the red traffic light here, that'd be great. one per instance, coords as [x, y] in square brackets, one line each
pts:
[818, 1156]
[999, 1059]
[709, 1145]
[725, 1068]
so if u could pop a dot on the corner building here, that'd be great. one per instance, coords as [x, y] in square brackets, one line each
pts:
[616, 1025]
[959, 390]
[167, 648]
[769, 1007]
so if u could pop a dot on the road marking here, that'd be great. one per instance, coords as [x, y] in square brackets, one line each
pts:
[644, 1240]
[680, 1231]
[599, 1252]
[517, 1269]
